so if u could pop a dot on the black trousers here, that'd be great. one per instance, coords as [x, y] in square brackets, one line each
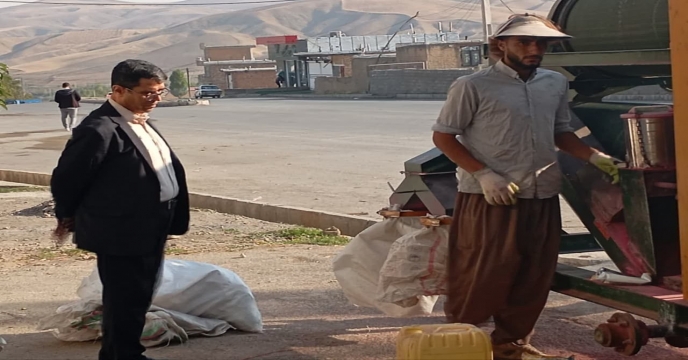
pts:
[129, 284]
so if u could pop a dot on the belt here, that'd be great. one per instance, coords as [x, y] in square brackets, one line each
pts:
[169, 204]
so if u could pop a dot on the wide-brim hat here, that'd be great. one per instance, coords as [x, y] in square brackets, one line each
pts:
[529, 25]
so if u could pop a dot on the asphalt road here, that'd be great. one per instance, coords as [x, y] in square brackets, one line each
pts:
[333, 155]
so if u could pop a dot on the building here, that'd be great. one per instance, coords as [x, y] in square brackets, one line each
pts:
[305, 60]
[251, 77]
[233, 52]
[436, 56]
[235, 67]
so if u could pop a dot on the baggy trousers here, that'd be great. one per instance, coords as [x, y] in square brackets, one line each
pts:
[501, 263]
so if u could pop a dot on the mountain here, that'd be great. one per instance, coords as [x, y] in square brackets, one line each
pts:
[48, 44]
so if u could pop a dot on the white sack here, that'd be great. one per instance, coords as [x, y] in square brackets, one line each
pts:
[415, 266]
[192, 298]
[357, 267]
[198, 289]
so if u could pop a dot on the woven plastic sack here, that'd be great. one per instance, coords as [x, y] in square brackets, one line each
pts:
[357, 267]
[415, 267]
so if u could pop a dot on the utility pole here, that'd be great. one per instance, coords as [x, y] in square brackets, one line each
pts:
[395, 34]
[188, 82]
[487, 26]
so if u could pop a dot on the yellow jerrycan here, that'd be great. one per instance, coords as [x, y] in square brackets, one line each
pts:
[443, 342]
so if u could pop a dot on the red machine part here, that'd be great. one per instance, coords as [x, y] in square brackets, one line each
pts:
[626, 334]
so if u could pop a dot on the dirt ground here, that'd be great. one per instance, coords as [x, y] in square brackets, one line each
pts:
[304, 311]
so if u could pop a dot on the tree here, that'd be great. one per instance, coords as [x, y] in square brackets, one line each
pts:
[10, 89]
[179, 85]
[4, 91]
[94, 90]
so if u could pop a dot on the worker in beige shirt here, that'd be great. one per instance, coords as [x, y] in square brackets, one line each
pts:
[504, 239]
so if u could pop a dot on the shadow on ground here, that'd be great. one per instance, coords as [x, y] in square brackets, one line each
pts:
[304, 325]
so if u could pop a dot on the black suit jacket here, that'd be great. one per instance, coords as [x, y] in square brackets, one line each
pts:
[105, 181]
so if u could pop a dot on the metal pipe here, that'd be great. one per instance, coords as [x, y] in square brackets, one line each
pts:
[678, 27]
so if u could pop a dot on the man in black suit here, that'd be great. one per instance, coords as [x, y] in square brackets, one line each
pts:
[121, 190]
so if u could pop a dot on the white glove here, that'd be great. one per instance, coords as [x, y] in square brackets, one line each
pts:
[496, 189]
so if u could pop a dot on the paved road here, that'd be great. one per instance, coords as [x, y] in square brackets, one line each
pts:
[329, 155]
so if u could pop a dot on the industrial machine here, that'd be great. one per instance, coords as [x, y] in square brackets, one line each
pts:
[617, 45]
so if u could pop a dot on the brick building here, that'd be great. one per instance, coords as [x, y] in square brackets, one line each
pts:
[234, 52]
[251, 78]
[449, 55]
[219, 63]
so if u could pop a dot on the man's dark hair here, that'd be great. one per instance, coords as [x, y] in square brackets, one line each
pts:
[129, 73]
[65, 85]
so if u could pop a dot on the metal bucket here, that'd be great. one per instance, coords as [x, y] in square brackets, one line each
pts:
[649, 134]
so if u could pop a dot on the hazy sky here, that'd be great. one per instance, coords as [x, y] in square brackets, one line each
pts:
[4, 4]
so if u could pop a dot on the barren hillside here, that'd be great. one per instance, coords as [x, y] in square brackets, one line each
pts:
[48, 44]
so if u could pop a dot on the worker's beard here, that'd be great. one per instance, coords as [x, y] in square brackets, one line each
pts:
[517, 62]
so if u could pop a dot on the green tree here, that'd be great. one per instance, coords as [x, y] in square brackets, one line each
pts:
[4, 90]
[10, 88]
[93, 90]
[179, 86]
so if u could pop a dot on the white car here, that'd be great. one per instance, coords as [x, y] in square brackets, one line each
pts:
[211, 91]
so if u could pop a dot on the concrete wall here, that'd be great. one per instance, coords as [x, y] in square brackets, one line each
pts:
[218, 53]
[215, 76]
[335, 85]
[435, 56]
[411, 81]
[345, 60]
[362, 68]
[358, 81]
[264, 79]
[444, 56]
[412, 53]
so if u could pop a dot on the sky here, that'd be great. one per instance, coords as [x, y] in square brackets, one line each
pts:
[4, 4]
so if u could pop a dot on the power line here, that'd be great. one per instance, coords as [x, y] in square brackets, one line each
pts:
[459, 6]
[507, 6]
[142, 4]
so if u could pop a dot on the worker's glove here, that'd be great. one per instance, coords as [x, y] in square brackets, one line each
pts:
[607, 164]
[496, 189]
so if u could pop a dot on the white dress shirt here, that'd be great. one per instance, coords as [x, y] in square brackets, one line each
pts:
[158, 151]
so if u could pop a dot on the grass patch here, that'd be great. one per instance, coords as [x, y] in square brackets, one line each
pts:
[308, 236]
[176, 251]
[57, 253]
[231, 231]
[14, 189]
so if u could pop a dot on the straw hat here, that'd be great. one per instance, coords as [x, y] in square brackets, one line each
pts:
[530, 25]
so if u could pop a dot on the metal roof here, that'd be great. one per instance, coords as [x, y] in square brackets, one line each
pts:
[352, 44]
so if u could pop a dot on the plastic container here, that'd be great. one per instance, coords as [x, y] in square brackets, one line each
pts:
[443, 342]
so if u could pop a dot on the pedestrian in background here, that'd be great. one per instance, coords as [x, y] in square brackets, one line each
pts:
[121, 190]
[67, 100]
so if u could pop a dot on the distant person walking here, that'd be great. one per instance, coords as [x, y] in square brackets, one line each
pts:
[68, 101]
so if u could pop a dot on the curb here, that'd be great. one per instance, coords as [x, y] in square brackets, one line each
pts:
[349, 225]
[398, 97]
[180, 102]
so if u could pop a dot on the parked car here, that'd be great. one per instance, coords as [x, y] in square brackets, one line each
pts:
[212, 91]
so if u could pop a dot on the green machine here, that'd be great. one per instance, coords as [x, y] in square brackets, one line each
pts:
[617, 45]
